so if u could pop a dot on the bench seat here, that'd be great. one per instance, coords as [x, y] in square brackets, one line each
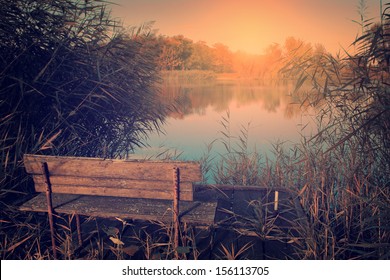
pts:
[191, 212]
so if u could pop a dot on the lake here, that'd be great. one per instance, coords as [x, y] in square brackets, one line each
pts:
[266, 112]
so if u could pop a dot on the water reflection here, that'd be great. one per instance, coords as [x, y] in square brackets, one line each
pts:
[196, 97]
[201, 106]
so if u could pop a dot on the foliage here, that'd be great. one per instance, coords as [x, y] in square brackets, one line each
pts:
[354, 92]
[180, 53]
[344, 182]
[173, 52]
[72, 81]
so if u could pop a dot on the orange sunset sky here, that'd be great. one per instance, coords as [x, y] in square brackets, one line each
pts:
[251, 25]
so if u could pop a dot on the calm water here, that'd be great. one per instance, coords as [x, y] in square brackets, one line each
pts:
[266, 111]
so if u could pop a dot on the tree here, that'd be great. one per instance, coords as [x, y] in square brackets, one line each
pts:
[272, 60]
[202, 57]
[173, 52]
[184, 50]
[223, 58]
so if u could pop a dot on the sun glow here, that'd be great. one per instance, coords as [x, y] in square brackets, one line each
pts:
[250, 25]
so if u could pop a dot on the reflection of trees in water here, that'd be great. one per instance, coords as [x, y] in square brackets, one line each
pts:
[303, 101]
[196, 97]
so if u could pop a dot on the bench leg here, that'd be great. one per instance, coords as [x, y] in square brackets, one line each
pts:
[176, 198]
[45, 171]
[79, 236]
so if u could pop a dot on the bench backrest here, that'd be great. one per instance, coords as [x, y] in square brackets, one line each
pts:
[108, 177]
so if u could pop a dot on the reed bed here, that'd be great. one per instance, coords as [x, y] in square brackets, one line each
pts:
[345, 206]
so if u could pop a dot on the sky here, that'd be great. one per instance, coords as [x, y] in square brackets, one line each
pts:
[251, 25]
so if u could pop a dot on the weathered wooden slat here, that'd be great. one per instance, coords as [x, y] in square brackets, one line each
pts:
[111, 183]
[109, 168]
[107, 191]
[191, 212]
[202, 187]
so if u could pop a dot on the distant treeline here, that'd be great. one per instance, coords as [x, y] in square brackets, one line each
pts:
[181, 53]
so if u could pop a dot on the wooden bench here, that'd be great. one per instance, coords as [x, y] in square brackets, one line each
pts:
[145, 190]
